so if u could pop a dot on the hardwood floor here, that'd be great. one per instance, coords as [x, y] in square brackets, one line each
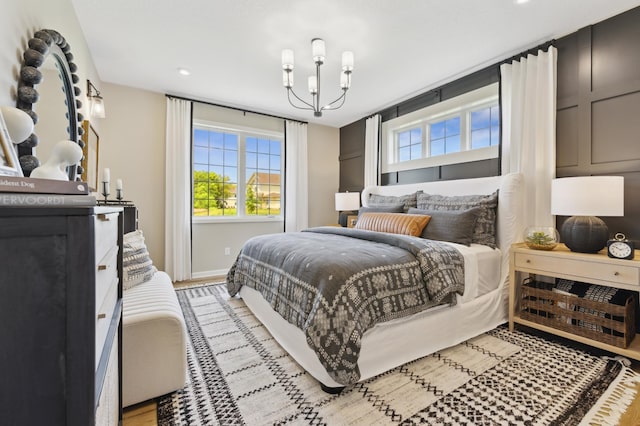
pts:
[143, 414]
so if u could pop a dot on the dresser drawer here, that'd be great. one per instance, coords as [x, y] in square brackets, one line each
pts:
[107, 412]
[104, 316]
[581, 270]
[106, 229]
[106, 273]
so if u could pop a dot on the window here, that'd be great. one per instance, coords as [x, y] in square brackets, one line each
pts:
[461, 129]
[485, 127]
[445, 137]
[236, 173]
[410, 144]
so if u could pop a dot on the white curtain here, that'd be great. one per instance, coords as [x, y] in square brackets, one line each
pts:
[371, 141]
[178, 190]
[529, 130]
[296, 177]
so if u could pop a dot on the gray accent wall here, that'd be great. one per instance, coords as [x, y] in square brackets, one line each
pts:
[598, 117]
[598, 110]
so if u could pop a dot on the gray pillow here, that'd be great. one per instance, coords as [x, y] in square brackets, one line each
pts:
[398, 208]
[485, 227]
[407, 201]
[456, 226]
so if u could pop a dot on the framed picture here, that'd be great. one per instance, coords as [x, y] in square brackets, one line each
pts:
[351, 220]
[90, 155]
[9, 164]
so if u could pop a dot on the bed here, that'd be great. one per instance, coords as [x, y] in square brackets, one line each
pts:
[398, 339]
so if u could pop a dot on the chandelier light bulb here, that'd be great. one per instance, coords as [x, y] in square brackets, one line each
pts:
[313, 84]
[287, 79]
[318, 50]
[347, 61]
[345, 80]
[287, 59]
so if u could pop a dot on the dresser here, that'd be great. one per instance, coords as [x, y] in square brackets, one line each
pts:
[60, 315]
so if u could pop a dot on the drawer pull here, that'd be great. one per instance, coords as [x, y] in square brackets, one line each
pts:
[528, 261]
[616, 273]
[102, 267]
[104, 217]
[102, 316]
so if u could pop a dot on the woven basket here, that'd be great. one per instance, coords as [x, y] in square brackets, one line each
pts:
[600, 321]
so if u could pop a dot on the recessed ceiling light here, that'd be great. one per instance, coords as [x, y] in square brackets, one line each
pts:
[520, 1]
[184, 71]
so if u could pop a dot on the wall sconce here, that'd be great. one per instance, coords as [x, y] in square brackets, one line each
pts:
[96, 103]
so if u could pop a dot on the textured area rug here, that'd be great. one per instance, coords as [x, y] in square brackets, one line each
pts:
[238, 374]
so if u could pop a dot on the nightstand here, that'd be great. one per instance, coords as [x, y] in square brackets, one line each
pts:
[562, 263]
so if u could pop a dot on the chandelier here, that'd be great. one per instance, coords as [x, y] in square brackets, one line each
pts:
[318, 52]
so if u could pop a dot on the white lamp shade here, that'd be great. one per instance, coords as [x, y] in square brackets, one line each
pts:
[287, 59]
[287, 78]
[313, 84]
[347, 201]
[318, 50]
[19, 123]
[97, 107]
[588, 196]
[347, 61]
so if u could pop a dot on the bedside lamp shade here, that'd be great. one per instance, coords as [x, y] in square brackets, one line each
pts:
[583, 198]
[347, 201]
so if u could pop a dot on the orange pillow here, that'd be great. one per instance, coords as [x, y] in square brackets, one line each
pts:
[395, 223]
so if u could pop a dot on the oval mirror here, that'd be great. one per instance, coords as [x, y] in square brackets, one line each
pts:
[47, 93]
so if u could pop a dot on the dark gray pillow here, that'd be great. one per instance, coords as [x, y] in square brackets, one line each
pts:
[456, 226]
[398, 208]
[408, 201]
[485, 227]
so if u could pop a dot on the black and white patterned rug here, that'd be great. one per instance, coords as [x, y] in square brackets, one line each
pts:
[238, 374]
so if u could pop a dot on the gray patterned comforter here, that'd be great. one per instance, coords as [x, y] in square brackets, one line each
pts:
[336, 283]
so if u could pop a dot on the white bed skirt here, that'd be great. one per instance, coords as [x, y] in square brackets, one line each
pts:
[418, 335]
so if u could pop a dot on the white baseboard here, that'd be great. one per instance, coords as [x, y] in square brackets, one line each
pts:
[209, 274]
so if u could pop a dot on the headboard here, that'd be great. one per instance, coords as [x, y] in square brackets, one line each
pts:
[509, 217]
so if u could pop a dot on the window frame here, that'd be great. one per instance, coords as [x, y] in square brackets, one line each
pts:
[461, 106]
[243, 133]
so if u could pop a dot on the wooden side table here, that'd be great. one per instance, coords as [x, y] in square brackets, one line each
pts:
[562, 263]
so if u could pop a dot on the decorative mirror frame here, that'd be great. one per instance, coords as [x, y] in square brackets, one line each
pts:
[91, 155]
[44, 43]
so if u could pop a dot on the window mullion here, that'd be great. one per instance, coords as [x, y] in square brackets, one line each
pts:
[241, 189]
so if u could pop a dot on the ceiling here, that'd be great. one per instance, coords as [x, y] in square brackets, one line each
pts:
[233, 47]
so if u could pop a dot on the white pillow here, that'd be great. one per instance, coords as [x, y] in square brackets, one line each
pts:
[137, 266]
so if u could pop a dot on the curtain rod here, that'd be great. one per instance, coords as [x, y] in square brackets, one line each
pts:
[233, 108]
[533, 51]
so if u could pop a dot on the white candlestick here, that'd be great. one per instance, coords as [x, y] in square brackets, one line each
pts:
[119, 184]
[106, 175]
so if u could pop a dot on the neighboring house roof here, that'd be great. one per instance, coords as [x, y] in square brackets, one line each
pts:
[259, 178]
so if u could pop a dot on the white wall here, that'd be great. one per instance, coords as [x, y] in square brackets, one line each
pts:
[132, 146]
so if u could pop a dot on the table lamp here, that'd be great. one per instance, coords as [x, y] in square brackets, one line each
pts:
[346, 203]
[584, 198]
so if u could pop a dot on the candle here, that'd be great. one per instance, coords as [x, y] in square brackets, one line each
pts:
[119, 184]
[106, 175]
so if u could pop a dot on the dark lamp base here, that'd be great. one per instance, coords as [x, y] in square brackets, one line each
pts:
[584, 234]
